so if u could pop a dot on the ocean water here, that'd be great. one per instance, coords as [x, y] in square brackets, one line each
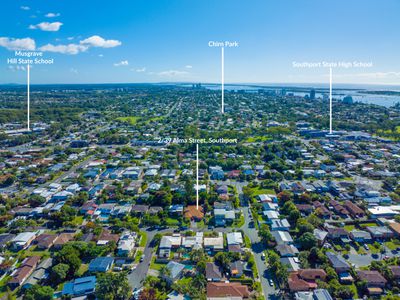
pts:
[356, 93]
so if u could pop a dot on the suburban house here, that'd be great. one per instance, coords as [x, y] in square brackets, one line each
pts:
[62, 239]
[213, 272]
[193, 213]
[214, 243]
[280, 224]
[21, 274]
[305, 279]
[224, 290]
[360, 236]
[40, 273]
[380, 232]
[126, 244]
[216, 173]
[354, 210]
[45, 241]
[236, 268]
[193, 242]
[395, 227]
[106, 236]
[80, 287]
[23, 240]
[338, 262]
[375, 281]
[282, 237]
[175, 271]
[234, 241]
[223, 213]
[167, 243]
[101, 264]
[287, 250]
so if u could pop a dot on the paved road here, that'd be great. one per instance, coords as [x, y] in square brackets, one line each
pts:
[137, 276]
[257, 246]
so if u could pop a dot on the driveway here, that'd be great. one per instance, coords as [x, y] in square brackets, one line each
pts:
[364, 260]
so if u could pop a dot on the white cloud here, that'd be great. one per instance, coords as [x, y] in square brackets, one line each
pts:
[98, 41]
[121, 63]
[52, 15]
[74, 48]
[64, 49]
[141, 70]
[46, 26]
[73, 70]
[25, 8]
[70, 38]
[188, 66]
[172, 73]
[17, 44]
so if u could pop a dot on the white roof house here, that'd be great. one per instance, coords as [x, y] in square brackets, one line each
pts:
[193, 241]
[169, 241]
[126, 243]
[234, 238]
[23, 239]
[282, 237]
[216, 243]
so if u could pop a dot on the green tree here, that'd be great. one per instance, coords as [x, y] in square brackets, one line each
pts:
[197, 255]
[36, 200]
[38, 292]
[303, 226]
[70, 256]
[59, 273]
[265, 234]
[307, 241]
[222, 259]
[113, 286]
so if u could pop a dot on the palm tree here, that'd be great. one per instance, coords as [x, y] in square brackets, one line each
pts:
[165, 272]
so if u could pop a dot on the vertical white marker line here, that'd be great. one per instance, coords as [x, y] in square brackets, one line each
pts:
[222, 79]
[330, 100]
[28, 82]
[197, 176]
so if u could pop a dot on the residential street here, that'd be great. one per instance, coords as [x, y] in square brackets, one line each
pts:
[257, 246]
[136, 277]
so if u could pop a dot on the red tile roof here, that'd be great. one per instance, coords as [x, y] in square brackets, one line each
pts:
[191, 211]
[222, 289]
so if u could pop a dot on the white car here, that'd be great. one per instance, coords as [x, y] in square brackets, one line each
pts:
[271, 282]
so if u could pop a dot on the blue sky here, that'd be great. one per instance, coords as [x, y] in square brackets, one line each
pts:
[167, 40]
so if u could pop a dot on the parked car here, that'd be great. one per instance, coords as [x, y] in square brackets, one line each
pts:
[271, 282]
[142, 258]
[366, 247]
